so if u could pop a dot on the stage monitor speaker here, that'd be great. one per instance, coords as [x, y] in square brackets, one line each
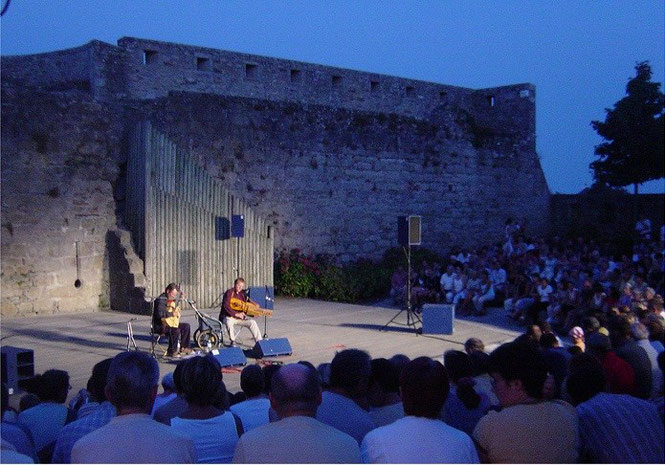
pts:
[263, 295]
[231, 356]
[408, 230]
[438, 319]
[272, 347]
[17, 364]
[238, 226]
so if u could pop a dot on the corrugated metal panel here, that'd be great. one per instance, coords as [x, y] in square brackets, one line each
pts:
[180, 221]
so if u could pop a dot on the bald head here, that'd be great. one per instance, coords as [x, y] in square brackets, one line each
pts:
[295, 390]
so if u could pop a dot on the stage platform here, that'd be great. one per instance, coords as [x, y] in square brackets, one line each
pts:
[316, 331]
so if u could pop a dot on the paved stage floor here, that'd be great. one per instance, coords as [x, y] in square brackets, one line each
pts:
[315, 330]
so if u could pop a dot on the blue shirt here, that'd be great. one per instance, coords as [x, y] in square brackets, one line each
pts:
[618, 428]
[77, 429]
[344, 414]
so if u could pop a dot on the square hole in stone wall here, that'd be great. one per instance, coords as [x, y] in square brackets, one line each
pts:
[443, 95]
[410, 91]
[373, 86]
[337, 81]
[149, 57]
[251, 71]
[203, 64]
[296, 75]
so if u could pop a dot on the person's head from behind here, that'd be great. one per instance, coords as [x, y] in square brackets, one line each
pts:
[132, 382]
[168, 383]
[639, 331]
[384, 381]
[479, 362]
[252, 381]
[268, 372]
[424, 387]
[400, 361]
[518, 371]
[350, 370]
[474, 344]
[548, 341]
[202, 383]
[586, 378]
[458, 365]
[53, 386]
[295, 390]
[97, 381]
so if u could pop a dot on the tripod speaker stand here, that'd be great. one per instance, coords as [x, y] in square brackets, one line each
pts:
[412, 318]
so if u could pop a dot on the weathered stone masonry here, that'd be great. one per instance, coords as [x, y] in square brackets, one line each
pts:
[330, 156]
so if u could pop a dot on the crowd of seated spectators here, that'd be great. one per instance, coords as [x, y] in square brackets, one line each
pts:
[536, 280]
[592, 393]
[532, 400]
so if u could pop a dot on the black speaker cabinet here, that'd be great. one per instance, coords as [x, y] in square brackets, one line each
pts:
[238, 226]
[408, 230]
[232, 356]
[17, 365]
[272, 347]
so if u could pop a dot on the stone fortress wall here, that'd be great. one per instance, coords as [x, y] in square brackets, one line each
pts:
[330, 156]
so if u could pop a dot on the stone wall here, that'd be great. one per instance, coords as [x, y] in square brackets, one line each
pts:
[330, 156]
[335, 180]
[59, 162]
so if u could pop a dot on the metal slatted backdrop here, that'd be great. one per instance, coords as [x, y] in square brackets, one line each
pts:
[180, 219]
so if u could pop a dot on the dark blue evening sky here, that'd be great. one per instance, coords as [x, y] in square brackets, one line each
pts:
[579, 54]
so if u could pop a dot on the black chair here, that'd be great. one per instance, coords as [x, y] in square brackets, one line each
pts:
[157, 332]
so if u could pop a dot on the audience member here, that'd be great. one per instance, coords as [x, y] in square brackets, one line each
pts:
[297, 437]
[341, 405]
[480, 364]
[168, 392]
[420, 437]
[383, 393]
[613, 428]
[178, 404]
[464, 406]
[641, 336]
[556, 358]
[474, 344]
[254, 411]
[17, 442]
[132, 436]
[618, 373]
[46, 419]
[528, 429]
[95, 418]
[213, 430]
[636, 356]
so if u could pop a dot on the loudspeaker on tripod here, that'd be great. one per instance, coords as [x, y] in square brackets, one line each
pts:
[409, 230]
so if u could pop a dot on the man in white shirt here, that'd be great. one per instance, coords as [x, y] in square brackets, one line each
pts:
[133, 436]
[420, 437]
[297, 437]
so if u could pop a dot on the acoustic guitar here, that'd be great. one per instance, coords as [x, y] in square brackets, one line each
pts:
[248, 308]
[173, 320]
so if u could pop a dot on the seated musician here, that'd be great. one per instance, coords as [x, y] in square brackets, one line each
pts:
[168, 310]
[233, 318]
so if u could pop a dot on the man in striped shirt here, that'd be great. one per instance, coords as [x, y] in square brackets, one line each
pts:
[614, 428]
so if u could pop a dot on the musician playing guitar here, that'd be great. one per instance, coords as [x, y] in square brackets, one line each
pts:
[233, 318]
[168, 309]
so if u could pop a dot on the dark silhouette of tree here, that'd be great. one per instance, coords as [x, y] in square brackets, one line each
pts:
[633, 131]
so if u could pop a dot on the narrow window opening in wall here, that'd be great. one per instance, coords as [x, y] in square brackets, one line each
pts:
[251, 71]
[410, 91]
[373, 86]
[443, 95]
[337, 81]
[296, 75]
[491, 101]
[149, 57]
[203, 64]
[450, 188]
[269, 232]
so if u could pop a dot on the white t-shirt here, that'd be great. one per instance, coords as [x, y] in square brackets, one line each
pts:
[418, 440]
[544, 293]
[252, 412]
[214, 438]
[447, 281]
